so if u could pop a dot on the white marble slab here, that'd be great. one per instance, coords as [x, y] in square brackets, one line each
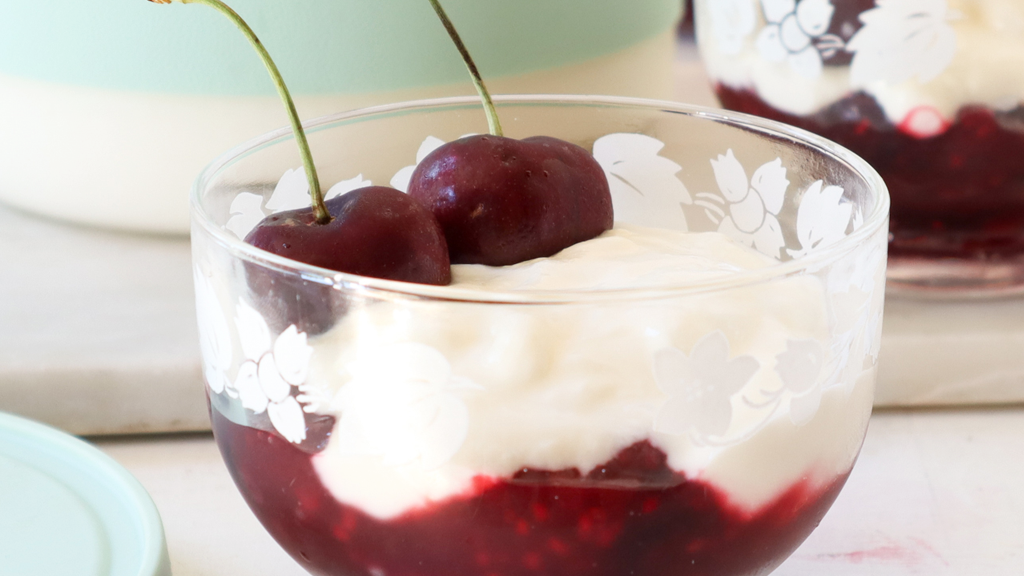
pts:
[951, 353]
[97, 328]
[935, 493]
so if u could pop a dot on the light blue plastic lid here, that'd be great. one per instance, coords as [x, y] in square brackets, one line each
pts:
[67, 509]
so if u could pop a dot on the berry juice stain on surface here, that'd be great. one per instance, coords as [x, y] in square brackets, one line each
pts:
[631, 515]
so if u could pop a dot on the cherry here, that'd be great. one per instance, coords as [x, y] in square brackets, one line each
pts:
[501, 201]
[373, 231]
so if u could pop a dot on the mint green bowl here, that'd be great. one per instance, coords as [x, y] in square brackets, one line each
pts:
[131, 99]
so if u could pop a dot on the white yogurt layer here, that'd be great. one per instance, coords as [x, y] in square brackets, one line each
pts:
[429, 395]
[927, 62]
[625, 257]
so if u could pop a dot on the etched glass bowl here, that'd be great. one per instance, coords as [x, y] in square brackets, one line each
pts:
[682, 414]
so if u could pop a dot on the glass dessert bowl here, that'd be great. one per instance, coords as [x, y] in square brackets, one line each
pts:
[685, 394]
[929, 93]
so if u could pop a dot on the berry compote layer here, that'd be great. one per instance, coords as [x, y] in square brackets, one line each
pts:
[630, 515]
[958, 193]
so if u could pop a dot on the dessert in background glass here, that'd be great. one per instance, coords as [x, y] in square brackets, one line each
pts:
[685, 394]
[930, 93]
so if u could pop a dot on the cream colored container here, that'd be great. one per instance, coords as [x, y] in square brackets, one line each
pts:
[108, 110]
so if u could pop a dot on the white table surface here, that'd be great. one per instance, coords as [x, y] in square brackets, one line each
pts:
[934, 493]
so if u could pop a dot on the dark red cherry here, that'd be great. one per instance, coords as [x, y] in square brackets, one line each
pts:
[501, 201]
[374, 231]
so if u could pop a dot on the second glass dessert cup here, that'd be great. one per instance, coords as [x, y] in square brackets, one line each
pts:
[688, 398]
[930, 93]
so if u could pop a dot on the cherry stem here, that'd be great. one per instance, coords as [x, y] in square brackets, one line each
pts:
[319, 208]
[492, 115]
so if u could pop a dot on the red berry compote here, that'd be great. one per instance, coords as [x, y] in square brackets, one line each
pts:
[630, 515]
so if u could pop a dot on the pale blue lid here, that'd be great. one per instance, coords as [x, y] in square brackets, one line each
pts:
[67, 509]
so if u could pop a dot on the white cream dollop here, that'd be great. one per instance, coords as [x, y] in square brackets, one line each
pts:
[622, 258]
[430, 395]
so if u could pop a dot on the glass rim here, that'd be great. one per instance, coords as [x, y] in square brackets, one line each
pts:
[874, 219]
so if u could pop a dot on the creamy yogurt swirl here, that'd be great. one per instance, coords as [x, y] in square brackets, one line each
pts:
[429, 396]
